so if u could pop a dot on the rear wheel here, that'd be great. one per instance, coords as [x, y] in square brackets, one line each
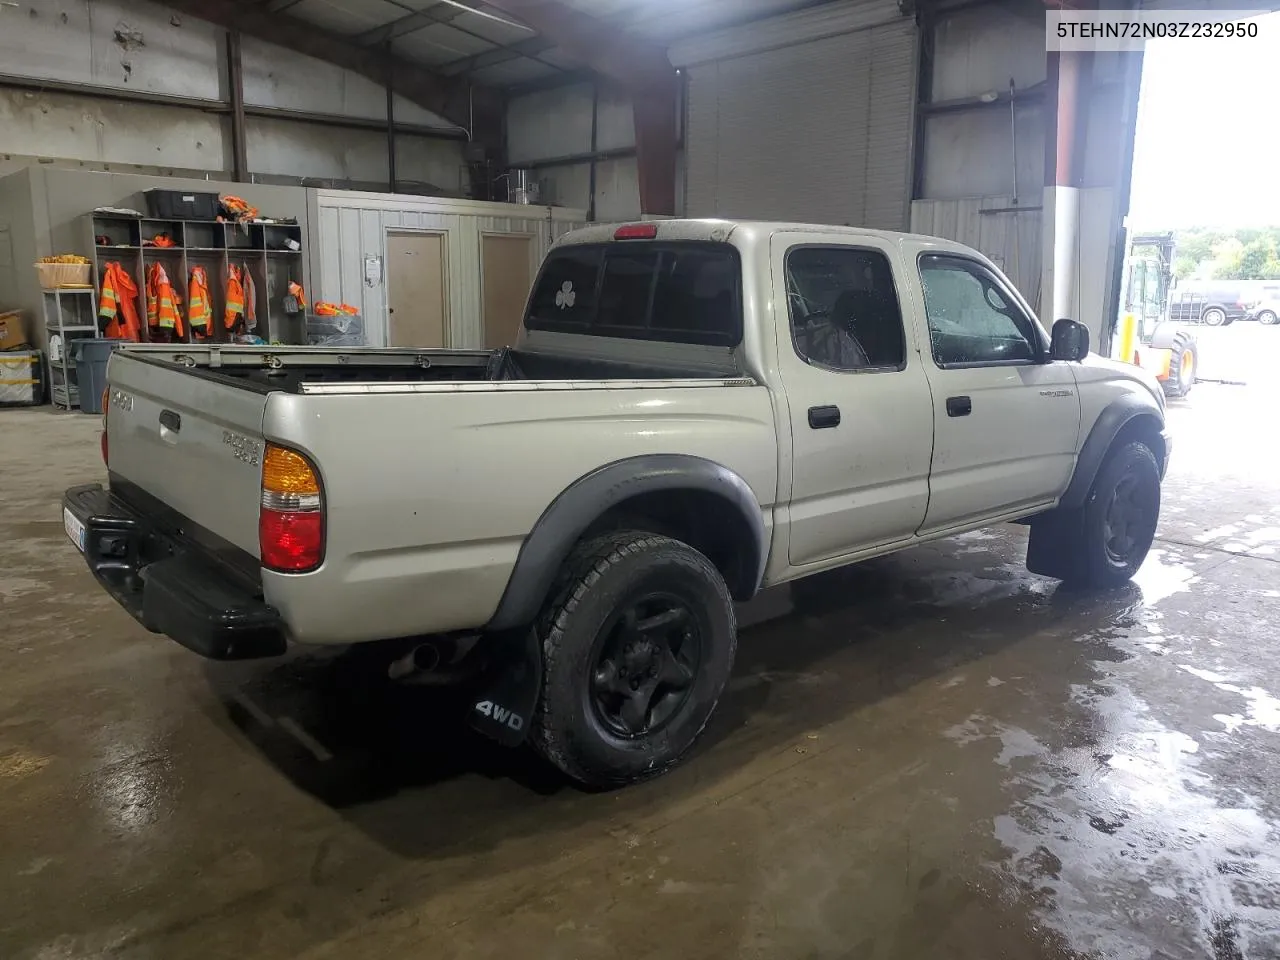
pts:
[1269, 317]
[638, 641]
[1214, 317]
[1183, 363]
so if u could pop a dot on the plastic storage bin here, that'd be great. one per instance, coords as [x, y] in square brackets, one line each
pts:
[91, 356]
[182, 205]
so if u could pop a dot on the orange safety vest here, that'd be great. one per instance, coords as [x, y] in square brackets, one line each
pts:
[199, 307]
[235, 299]
[163, 302]
[119, 304]
[298, 293]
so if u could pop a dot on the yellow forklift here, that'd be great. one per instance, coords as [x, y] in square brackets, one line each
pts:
[1144, 334]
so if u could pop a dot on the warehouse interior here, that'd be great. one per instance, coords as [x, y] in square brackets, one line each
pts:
[930, 753]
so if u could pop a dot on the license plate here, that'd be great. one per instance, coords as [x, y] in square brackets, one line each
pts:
[75, 529]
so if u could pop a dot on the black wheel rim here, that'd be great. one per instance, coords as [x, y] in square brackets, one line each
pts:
[1127, 519]
[647, 657]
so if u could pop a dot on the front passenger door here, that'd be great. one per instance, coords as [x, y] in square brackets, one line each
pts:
[1006, 420]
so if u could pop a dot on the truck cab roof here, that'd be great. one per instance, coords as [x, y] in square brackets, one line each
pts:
[744, 232]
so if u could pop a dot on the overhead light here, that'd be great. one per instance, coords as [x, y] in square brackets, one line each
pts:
[489, 16]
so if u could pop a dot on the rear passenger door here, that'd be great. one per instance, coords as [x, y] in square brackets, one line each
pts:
[1006, 419]
[858, 399]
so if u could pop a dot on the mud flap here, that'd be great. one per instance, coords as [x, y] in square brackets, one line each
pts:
[508, 694]
[1056, 544]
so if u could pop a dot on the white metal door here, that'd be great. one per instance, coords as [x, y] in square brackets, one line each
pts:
[817, 132]
[1006, 423]
[861, 414]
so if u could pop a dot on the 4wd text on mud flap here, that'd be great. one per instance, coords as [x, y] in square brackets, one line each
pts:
[500, 714]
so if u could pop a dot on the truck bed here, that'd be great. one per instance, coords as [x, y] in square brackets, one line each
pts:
[291, 369]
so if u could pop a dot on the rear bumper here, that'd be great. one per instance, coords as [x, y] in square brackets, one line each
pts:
[170, 585]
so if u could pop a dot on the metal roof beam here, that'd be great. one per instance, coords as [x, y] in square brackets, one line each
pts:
[491, 58]
[407, 24]
[472, 108]
[593, 41]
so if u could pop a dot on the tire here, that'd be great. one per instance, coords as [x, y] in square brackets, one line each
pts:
[1268, 317]
[1214, 317]
[1079, 546]
[636, 611]
[1184, 362]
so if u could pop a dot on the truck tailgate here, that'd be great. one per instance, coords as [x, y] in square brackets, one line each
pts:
[191, 440]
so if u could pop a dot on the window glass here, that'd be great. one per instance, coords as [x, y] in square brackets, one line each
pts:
[626, 288]
[566, 289]
[844, 309]
[696, 291]
[678, 292]
[971, 320]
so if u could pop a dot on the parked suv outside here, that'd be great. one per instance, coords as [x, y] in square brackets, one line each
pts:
[1215, 305]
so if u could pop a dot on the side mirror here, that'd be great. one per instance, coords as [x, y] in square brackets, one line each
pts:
[1070, 341]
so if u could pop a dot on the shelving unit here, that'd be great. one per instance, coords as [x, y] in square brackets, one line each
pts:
[69, 315]
[258, 248]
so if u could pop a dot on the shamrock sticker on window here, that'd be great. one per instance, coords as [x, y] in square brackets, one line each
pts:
[565, 295]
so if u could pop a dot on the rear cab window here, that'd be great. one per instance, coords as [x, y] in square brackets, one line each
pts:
[679, 292]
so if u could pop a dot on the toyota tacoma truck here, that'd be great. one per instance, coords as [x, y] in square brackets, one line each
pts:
[693, 410]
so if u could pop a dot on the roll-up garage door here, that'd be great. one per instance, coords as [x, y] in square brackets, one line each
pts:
[818, 131]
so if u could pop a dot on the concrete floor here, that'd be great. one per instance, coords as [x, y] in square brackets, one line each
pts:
[936, 755]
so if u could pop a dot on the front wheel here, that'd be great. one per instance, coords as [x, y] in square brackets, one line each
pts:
[638, 640]
[1214, 317]
[1268, 317]
[1103, 543]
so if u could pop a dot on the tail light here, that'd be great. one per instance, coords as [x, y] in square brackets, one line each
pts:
[291, 520]
[636, 231]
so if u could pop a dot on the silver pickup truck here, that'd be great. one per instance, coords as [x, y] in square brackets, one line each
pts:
[693, 410]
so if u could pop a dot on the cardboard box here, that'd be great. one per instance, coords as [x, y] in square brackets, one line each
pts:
[13, 331]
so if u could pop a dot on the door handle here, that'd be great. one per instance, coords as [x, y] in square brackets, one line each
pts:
[959, 406]
[171, 420]
[822, 418]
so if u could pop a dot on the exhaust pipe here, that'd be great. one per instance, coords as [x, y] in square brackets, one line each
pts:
[441, 661]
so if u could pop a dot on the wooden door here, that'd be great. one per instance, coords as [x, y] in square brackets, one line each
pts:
[417, 291]
[507, 265]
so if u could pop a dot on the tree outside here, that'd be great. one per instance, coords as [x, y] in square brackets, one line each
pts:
[1251, 253]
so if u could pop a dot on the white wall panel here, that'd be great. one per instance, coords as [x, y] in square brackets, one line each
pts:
[567, 186]
[978, 51]
[278, 146]
[615, 125]
[275, 77]
[617, 190]
[111, 43]
[58, 125]
[970, 153]
[549, 123]
[354, 225]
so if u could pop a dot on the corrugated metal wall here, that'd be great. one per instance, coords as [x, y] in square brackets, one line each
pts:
[350, 227]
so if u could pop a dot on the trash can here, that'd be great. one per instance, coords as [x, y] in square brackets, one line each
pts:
[91, 355]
